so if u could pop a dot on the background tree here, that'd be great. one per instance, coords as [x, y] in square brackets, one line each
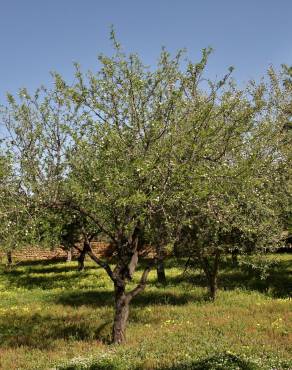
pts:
[236, 193]
[287, 138]
[17, 222]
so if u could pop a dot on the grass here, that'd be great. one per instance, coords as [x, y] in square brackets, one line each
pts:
[53, 317]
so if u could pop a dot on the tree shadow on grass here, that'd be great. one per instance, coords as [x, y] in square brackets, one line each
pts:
[40, 280]
[277, 284]
[45, 262]
[99, 298]
[224, 361]
[93, 298]
[41, 331]
[50, 277]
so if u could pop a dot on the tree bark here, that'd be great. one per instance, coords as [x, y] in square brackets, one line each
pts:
[121, 315]
[122, 303]
[69, 255]
[86, 249]
[234, 256]
[122, 273]
[161, 277]
[81, 259]
[9, 258]
[211, 272]
[213, 286]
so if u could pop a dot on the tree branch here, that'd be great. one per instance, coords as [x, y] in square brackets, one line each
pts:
[84, 212]
[142, 284]
[101, 263]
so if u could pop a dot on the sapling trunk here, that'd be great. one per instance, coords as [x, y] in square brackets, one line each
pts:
[211, 272]
[234, 257]
[213, 286]
[81, 259]
[69, 255]
[161, 277]
[9, 258]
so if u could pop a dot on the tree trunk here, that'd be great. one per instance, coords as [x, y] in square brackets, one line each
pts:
[161, 278]
[9, 258]
[81, 259]
[234, 257]
[211, 272]
[69, 255]
[123, 299]
[213, 285]
[122, 273]
[121, 315]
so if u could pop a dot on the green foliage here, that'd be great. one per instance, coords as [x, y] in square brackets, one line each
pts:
[129, 144]
[17, 226]
[149, 155]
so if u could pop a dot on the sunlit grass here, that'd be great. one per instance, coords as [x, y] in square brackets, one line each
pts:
[52, 315]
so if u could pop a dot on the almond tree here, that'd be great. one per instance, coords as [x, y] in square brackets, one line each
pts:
[16, 212]
[140, 154]
[102, 148]
[120, 159]
[131, 126]
[237, 193]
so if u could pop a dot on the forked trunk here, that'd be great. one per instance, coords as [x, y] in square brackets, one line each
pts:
[122, 273]
[123, 299]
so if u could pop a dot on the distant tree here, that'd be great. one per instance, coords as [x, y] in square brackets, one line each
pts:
[236, 195]
[17, 226]
[287, 138]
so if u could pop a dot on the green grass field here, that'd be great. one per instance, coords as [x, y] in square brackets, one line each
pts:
[53, 317]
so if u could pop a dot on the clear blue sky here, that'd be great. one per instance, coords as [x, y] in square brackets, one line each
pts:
[42, 35]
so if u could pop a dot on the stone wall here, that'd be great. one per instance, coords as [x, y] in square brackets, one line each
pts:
[35, 253]
[101, 249]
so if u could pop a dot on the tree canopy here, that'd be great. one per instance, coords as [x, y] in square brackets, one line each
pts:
[159, 155]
